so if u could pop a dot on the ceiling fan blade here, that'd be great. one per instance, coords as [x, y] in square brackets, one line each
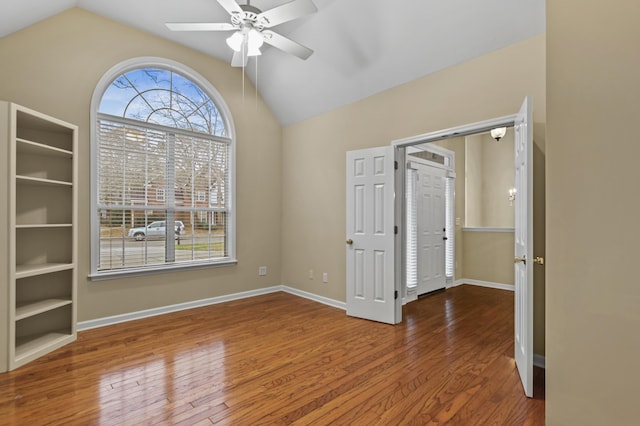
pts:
[286, 45]
[199, 26]
[230, 6]
[287, 12]
[239, 59]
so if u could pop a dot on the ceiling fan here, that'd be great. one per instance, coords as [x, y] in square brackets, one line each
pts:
[250, 26]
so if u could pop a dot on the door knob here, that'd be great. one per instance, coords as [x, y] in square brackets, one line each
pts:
[522, 259]
[539, 260]
[349, 241]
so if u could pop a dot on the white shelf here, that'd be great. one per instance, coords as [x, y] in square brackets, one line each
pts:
[31, 346]
[29, 147]
[44, 225]
[26, 310]
[28, 180]
[24, 271]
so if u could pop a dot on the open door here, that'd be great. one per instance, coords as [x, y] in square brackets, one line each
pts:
[371, 292]
[524, 245]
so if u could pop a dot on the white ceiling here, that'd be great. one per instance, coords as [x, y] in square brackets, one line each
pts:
[362, 47]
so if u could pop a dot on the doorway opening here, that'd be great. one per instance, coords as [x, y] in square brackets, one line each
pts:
[430, 212]
[460, 198]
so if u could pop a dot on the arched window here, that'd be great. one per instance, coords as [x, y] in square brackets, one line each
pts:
[162, 157]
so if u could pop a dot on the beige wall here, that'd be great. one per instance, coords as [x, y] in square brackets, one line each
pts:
[484, 256]
[473, 175]
[489, 175]
[54, 66]
[313, 214]
[488, 256]
[593, 296]
[498, 178]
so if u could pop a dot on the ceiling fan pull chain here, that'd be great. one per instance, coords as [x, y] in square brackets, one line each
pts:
[243, 66]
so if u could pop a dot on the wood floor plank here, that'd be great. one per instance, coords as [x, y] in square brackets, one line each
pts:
[281, 359]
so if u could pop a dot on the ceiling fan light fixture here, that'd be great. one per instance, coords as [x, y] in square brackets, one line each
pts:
[254, 43]
[235, 41]
[253, 51]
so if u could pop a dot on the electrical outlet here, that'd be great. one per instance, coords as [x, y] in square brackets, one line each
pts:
[325, 277]
[458, 221]
[262, 270]
[310, 274]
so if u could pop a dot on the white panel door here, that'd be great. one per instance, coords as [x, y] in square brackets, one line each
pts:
[524, 246]
[431, 228]
[371, 292]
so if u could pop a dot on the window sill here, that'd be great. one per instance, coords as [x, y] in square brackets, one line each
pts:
[134, 272]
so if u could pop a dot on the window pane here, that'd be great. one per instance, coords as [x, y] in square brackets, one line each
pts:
[134, 185]
[204, 237]
[162, 97]
[125, 241]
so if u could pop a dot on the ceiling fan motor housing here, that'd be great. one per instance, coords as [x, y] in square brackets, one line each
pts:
[247, 19]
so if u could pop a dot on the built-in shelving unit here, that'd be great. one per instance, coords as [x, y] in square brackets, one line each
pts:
[42, 203]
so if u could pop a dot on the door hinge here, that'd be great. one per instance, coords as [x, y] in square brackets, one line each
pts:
[395, 229]
[395, 295]
[395, 165]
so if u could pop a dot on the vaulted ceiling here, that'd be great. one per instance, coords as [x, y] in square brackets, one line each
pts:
[361, 47]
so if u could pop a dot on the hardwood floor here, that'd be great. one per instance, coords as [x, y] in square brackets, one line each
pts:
[281, 359]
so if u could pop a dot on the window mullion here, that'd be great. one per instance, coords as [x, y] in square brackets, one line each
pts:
[194, 213]
[146, 193]
[124, 188]
[208, 195]
[170, 199]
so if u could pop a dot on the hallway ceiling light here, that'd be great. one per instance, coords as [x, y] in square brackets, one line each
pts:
[498, 133]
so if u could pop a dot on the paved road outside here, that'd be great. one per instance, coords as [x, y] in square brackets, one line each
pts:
[118, 252]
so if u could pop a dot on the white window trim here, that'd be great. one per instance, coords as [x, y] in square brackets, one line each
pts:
[160, 194]
[101, 87]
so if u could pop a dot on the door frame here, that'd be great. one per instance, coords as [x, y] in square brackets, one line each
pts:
[523, 358]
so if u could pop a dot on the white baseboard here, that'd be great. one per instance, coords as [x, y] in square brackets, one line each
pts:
[315, 297]
[539, 360]
[116, 319]
[489, 284]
